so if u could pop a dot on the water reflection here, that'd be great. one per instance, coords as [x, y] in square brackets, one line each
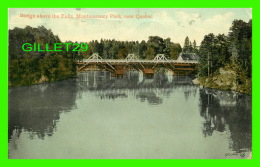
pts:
[36, 109]
[207, 116]
[151, 90]
[230, 112]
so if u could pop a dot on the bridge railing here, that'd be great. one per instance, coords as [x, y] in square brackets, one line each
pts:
[131, 58]
[135, 61]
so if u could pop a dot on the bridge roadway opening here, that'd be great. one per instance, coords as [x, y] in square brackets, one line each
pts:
[118, 67]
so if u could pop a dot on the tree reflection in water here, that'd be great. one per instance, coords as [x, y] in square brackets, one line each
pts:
[225, 111]
[36, 109]
[152, 90]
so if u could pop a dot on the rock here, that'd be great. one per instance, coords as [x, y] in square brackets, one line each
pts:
[228, 83]
[224, 72]
[196, 81]
[43, 79]
[219, 82]
[234, 87]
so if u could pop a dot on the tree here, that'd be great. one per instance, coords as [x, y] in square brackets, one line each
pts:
[205, 53]
[186, 47]
[27, 68]
[142, 49]
[240, 38]
[156, 44]
[194, 47]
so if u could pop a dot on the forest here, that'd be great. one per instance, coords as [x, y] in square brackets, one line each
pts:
[216, 51]
[27, 68]
[113, 49]
[231, 53]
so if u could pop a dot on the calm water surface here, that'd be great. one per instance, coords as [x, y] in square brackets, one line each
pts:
[98, 116]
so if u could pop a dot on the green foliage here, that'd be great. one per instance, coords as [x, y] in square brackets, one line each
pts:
[186, 47]
[189, 47]
[112, 49]
[57, 67]
[236, 48]
[232, 52]
[27, 68]
[213, 54]
[31, 70]
[240, 37]
[24, 71]
[19, 36]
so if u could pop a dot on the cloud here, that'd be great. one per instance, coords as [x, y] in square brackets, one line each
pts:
[217, 24]
[186, 19]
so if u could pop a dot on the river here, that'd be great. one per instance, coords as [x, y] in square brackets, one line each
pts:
[96, 116]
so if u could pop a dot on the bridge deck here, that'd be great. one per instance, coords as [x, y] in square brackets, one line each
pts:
[118, 67]
[136, 61]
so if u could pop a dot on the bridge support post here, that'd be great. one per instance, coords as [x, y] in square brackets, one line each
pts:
[119, 67]
[148, 72]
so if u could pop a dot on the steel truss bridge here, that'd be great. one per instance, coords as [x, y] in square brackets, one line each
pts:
[118, 67]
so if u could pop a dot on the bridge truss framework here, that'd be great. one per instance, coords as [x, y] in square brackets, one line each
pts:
[118, 67]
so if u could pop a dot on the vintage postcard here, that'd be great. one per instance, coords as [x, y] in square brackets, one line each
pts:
[130, 83]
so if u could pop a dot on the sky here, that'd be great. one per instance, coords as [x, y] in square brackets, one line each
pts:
[173, 23]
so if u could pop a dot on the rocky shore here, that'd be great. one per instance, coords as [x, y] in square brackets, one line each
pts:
[226, 80]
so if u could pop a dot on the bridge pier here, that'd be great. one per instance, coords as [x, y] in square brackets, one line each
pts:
[148, 72]
[119, 71]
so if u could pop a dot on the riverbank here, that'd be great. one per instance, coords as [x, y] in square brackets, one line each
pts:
[226, 80]
[35, 70]
[42, 80]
